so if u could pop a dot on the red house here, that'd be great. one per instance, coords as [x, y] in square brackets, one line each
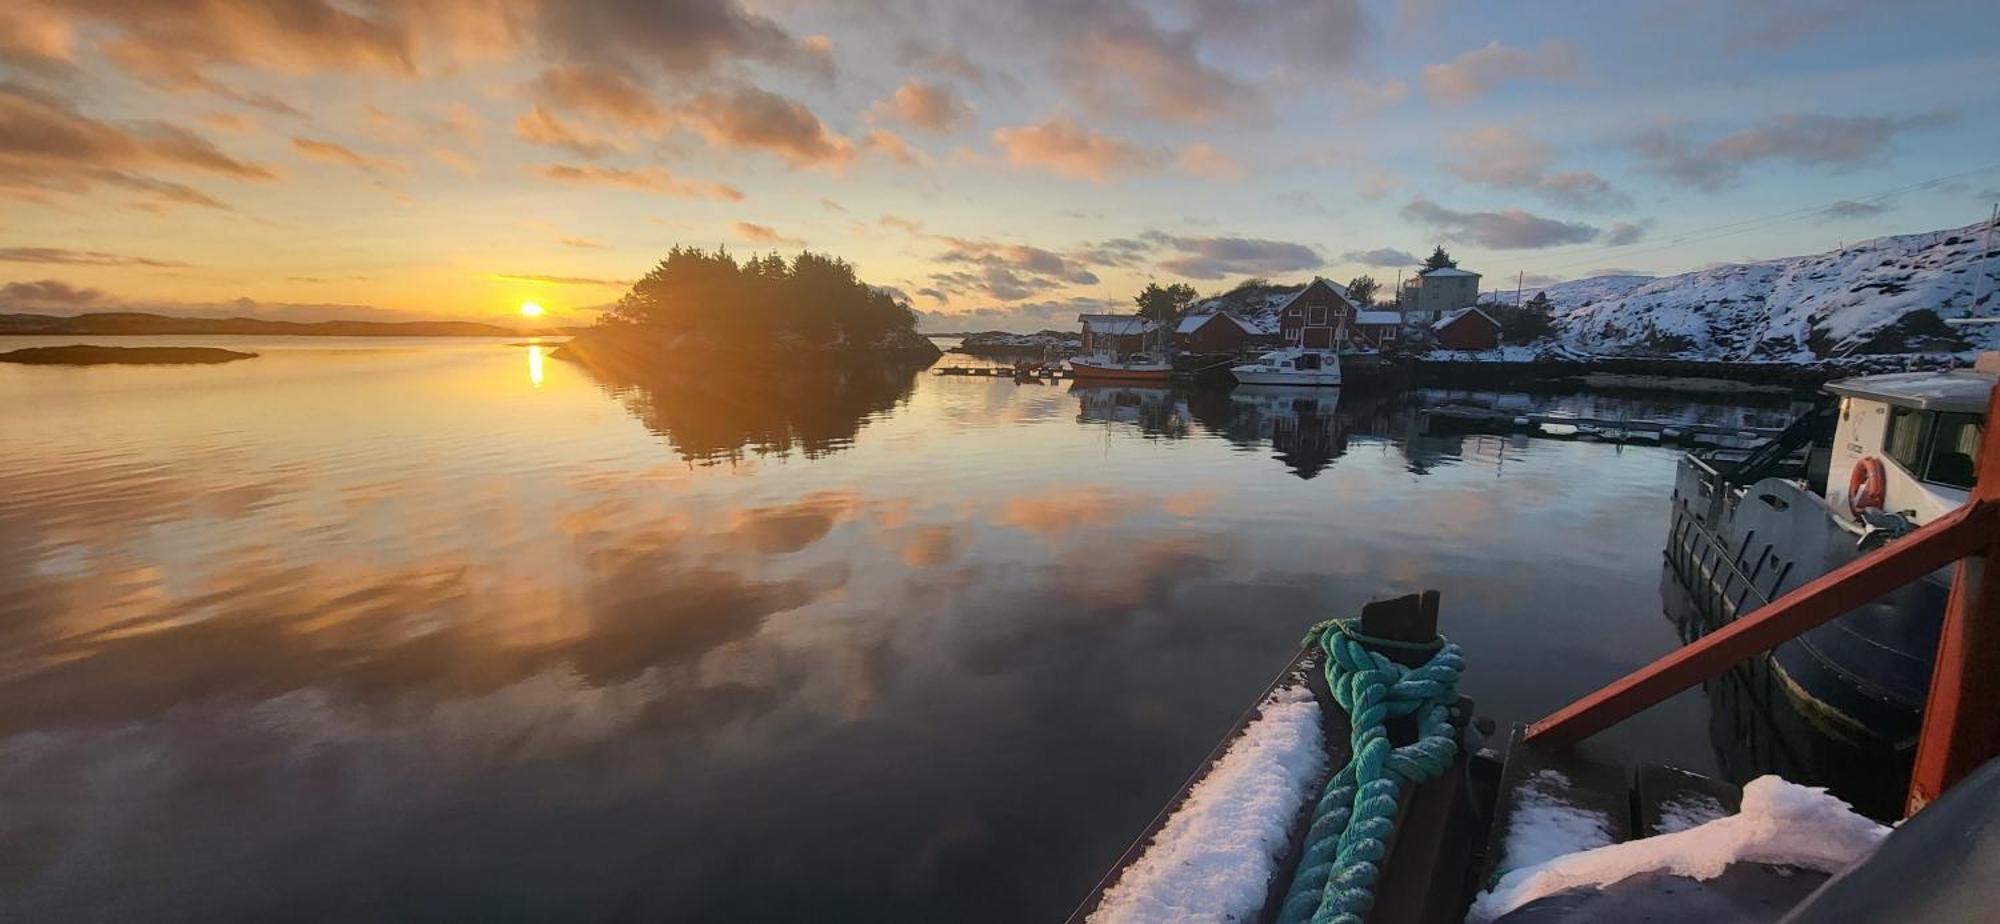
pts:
[1217, 332]
[1117, 334]
[1466, 329]
[1320, 317]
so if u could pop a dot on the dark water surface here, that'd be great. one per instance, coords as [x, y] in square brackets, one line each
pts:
[371, 629]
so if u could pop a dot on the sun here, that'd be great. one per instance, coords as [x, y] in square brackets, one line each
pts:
[531, 310]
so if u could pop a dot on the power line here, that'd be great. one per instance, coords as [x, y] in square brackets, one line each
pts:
[1758, 222]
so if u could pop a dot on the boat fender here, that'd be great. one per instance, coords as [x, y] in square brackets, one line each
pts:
[1867, 486]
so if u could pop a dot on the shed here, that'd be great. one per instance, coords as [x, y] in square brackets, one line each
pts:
[1467, 329]
[1215, 332]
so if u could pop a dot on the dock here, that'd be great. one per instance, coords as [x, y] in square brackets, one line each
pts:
[1603, 428]
[1002, 372]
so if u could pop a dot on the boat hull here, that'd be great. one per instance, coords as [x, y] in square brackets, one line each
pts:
[1121, 373]
[1301, 379]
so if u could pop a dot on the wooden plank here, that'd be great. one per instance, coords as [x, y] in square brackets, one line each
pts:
[1961, 727]
[1930, 547]
[1668, 797]
[1569, 777]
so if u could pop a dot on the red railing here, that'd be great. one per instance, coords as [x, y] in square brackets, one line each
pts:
[1961, 724]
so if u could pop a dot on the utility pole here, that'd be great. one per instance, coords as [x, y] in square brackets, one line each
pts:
[1518, 280]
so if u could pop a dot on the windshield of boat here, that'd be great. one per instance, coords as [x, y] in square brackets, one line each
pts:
[1936, 447]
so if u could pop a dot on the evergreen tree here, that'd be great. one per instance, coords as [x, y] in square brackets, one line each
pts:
[1362, 290]
[1540, 303]
[1439, 260]
[1164, 304]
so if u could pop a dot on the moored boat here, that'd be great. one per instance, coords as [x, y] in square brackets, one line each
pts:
[1888, 455]
[1138, 367]
[1290, 367]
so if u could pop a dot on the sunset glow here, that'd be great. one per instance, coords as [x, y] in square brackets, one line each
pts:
[531, 310]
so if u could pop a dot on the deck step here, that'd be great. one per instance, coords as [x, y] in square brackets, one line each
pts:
[1546, 781]
[1670, 799]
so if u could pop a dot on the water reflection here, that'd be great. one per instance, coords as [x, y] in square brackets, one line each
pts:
[717, 409]
[535, 364]
[490, 652]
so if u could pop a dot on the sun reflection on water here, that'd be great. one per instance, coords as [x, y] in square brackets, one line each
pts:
[535, 364]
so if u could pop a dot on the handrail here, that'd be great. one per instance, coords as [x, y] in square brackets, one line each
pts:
[1961, 726]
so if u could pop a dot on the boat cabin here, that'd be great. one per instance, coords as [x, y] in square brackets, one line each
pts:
[1923, 427]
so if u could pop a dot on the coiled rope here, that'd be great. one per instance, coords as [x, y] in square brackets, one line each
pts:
[1356, 814]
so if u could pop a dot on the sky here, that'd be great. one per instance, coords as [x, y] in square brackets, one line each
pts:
[1000, 164]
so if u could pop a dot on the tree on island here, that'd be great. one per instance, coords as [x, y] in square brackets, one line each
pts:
[1440, 260]
[1362, 290]
[1164, 304]
[814, 296]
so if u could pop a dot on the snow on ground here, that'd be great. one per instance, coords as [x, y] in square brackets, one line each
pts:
[1213, 860]
[1781, 824]
[1858, 299]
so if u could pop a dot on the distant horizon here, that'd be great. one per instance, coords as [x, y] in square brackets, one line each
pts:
[1013, 160]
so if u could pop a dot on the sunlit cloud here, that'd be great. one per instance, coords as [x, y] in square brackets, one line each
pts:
[645, 179]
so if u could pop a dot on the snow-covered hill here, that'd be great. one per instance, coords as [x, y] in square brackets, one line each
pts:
[1888, 295]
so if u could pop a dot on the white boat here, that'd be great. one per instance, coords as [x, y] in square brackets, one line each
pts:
[1290, 367]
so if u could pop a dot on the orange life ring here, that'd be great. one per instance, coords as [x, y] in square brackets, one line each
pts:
[1867, 486]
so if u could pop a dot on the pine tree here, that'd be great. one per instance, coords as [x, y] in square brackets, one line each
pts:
[1164, 303]
[1440, 260]
[1362, 290]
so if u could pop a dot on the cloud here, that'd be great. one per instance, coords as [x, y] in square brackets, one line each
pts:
[541, 126]
[1113, 59]
[1510, 159]
[763, 234]
[171, 45]
[1808, 140]
[1063, 147]
[47, 146]
[1848, 208]
[1472, 74]
[907, 225]
[47, 293]
[564, 280]
[681, 38]
[458, 124]
[931, 107]
[609, 93]
[893, 145]
[1627, 232]
[646, 179]
[583, 243]
[744, 117]
[1021, 258]
[1385, 256]
[1203, 160]
[466, 166]
[65, 257]
[1059, 314]
[335, 153]
[1217, 257]
[1512, 229]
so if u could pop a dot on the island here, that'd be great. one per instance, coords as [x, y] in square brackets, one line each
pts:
[139, 323]
[766, 313]
[88, 355]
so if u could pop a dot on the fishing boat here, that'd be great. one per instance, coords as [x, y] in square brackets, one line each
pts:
[1884, 456]
[1134, 367]
[1291, 367]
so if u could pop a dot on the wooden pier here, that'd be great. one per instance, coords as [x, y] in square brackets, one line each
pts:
[1002, 372]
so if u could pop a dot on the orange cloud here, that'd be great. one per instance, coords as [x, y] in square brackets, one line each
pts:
[931, 107]
[747, 118]
[1053, 515]
[334, 153]
[763, 234]
[1203, 160]
[605, 93]
[895, 147]
[647, 179]
[1063, 147]
[540, 126]
[47, 146]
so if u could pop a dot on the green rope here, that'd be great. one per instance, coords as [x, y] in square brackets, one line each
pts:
[1356, 814]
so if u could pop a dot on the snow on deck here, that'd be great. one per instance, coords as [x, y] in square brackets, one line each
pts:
[1545, 826]
[1213, 860]
[1781, 824]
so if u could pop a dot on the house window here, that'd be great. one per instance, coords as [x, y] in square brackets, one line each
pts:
[1292, 313]
[1292, 334]
[1389, 335]
[1318, 314]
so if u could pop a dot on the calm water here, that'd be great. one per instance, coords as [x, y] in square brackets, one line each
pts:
[450, 629]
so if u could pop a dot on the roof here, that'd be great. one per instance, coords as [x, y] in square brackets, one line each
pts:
[1447, 271]
[1958, 390]
[1337, 288]
[1451, 318]
[1194, 322]
[1378, 317]
[1116, 324]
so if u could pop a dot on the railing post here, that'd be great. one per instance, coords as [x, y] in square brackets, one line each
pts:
[1961, 728]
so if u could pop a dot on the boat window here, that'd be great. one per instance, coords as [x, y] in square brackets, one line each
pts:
[1309, 361]
[1905, 439]
[1954, 446]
